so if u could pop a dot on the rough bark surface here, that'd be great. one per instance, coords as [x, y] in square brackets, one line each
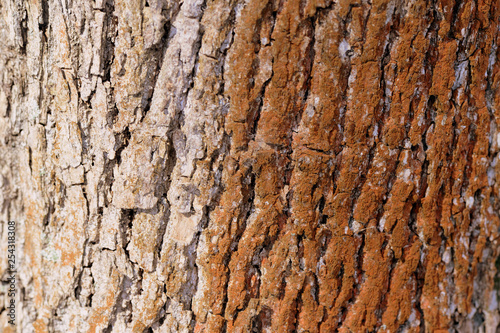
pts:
[251, 165]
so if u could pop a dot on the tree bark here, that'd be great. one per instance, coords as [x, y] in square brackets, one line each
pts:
[251, 166]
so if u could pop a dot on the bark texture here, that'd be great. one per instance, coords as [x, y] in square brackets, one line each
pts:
[251, 165]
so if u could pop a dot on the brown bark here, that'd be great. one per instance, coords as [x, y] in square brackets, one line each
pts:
[251, 166]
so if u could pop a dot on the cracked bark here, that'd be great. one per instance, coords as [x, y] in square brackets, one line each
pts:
[251, 166]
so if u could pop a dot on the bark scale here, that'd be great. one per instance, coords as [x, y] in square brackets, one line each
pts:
[251, 166]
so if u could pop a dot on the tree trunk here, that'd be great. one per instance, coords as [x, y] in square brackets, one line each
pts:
[250, 166]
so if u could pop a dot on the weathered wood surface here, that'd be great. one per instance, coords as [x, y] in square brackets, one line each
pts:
[251, 166]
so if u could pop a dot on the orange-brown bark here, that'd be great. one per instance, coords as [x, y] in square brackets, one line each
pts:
[252, 166]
